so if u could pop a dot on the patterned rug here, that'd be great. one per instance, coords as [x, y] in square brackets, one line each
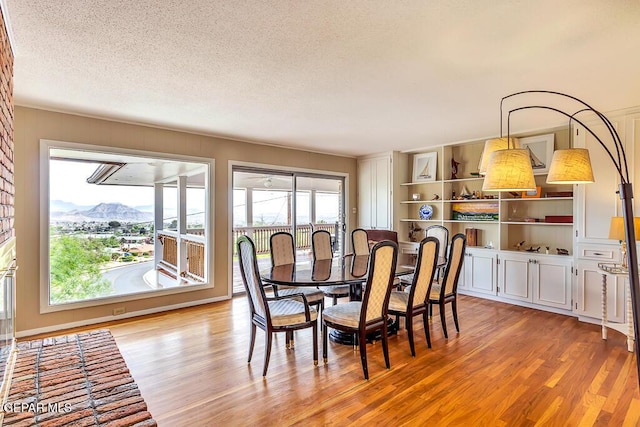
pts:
[74, 380]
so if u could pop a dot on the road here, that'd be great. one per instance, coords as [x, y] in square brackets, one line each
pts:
[128, 279]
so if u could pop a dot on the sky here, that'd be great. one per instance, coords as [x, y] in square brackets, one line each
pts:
[68, 182]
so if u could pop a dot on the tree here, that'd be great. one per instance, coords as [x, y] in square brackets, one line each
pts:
[75, 269]
[114, 225]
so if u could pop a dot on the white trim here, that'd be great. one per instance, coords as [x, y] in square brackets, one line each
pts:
[80, 323]
[45, 145]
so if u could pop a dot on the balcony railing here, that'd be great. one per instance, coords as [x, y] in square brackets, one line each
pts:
[193, 245]
[261, 235]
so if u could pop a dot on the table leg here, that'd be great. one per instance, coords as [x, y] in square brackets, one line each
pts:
[630, 335]
[604, 306]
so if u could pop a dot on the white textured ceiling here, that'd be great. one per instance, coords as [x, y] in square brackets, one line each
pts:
[350, 77]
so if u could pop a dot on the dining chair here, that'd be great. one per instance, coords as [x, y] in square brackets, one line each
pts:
[442, 234]
[359, 242]
[369, 315]
[414, 302]
[323, 251]
[273, 314]
[283, 252]
[447, 290]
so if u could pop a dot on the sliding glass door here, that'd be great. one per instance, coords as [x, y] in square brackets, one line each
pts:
[267, 201]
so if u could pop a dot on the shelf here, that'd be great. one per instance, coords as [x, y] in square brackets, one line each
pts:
[536, 223]
[468, 221]
[419, 220]
[422, 202]
[471, 200]
[535, 199]
[480, 178]
[420, 183]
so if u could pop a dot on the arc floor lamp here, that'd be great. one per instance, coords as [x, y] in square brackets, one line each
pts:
[509, 169]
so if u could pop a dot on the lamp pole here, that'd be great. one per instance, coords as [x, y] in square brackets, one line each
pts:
[625, 191]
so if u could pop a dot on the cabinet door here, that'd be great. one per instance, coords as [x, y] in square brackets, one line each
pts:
[551, 282]
[365, 193]
[597, 202]
[374, 193]
[514, 276]
[480, 272]
[590, 293]
[382, 190]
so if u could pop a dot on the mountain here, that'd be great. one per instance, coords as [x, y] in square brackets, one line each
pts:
[103, 212]
[62, 206]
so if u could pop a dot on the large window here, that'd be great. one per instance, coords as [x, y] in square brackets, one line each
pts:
[121, 225]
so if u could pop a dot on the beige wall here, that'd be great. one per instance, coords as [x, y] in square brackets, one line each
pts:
[31, 125]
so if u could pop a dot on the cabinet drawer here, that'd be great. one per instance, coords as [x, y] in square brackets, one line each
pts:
[605, 253]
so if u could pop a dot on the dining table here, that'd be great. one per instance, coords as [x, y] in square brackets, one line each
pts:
[349, 270]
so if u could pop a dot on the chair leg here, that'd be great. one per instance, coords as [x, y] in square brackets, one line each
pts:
[427, 334]
[325, 332]
[267, 352]
[430, 310]
[409, 324]
[385, 345]
[252, 342]
[442, 320]
[454, 307]
[335, 300]
[315, 343]
[363, 354]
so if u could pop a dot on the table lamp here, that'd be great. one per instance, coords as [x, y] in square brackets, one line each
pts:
[617, 232]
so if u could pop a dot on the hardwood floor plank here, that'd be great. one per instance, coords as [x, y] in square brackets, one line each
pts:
[508, 366]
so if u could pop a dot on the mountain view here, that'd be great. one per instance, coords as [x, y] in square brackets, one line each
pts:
[68, 212]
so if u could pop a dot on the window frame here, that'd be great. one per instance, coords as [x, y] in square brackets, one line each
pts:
[44, 298]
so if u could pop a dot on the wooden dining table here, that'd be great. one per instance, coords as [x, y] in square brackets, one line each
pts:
[349, 270]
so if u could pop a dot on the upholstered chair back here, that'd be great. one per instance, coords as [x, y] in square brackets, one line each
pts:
[452, 273]
[360, 242]
[425, 270]
[321, 245]
[251, 278]
[382, 269]
[283, 250]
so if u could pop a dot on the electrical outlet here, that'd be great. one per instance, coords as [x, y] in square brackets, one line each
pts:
[118, 311]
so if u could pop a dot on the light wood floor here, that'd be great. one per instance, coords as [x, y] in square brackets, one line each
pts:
[509, 366]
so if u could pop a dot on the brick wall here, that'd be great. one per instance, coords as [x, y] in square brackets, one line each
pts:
[7, 188]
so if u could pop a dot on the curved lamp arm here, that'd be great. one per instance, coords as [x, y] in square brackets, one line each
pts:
[625, 191]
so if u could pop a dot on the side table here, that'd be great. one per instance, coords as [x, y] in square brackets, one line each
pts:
[625, 328]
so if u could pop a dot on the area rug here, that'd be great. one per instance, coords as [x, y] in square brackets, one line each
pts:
[74, 380]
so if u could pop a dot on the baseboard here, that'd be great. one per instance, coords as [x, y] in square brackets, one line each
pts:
[59, 327]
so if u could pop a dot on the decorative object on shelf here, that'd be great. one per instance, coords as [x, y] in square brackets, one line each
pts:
[475, 174]
[435, 197]
[540, 149]
[475, 211]
[489, 245]
[535, 194]
[453, 195]
[561, 251]
[515, 194]
[565, 170]
[414, 231]
[617, 232]
[558, 219]
[531, 219]
[532, 249]
[464, 193]
[454, 168]
[546, 250]
[415, 196]
[551, 194]
[425, 211]
[518, 245]
[425, 167]
[472, 236]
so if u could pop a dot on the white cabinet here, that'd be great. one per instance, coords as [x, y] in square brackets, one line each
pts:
[551, 281]
[514, 276]
[535, 278]
[480, 271]
[589, 282]
[374, 192]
